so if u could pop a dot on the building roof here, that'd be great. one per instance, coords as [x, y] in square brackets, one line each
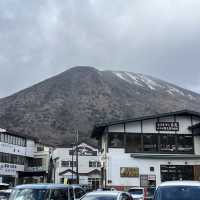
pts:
[94, 171]
[17, 134]
[195, 126]
[66, 171]
[99, 128]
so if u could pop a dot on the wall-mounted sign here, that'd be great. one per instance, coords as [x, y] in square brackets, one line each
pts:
[129, 171]
[8, 169]
[147, 180]
[167, 126]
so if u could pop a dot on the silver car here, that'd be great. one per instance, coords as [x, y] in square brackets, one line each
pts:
[107, 195]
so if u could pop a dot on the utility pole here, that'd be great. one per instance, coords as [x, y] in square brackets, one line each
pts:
[77, 174]
[72, 163]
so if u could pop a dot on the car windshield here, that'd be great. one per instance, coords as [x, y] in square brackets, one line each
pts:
[136, 191]
[178, 193]
[99, 197]
[29, 194]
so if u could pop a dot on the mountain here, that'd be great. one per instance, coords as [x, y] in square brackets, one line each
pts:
[82, 96]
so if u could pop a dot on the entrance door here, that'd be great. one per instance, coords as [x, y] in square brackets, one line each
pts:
[176, 172]
[196, 172]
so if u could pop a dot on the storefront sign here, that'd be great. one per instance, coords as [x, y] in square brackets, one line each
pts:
[167, 126]
[129, 172]
[8, 169]
[151, 177]
[147, 180]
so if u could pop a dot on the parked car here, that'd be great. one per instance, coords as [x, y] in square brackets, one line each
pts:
[178, 190]
[137, 193]
[149, 193]
[46, 192]
[4, 186]
[4, 194]
[78, 191]
[107, 195]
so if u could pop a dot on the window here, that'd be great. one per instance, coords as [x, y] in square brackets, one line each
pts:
[65, 163]
[116, 140]
[150, 142]
[35, 162]
[74, 163]
[98, 164]
[167, 143]
[79, 193]
[94, 164]
[185, 143]
[61, 194]
[133, 143]
[12, 159]
[68, 163]
[2, 137]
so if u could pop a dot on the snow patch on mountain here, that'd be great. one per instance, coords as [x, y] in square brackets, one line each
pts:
[134, 78]
[120, 75]
[175, 90]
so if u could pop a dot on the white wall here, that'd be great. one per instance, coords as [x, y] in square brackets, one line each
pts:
[133, 127]
[117, 159]
[30, 148]
[197, 145]
[12, 149]
[116, 128]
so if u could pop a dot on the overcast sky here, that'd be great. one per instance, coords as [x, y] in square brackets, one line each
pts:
[40, 38]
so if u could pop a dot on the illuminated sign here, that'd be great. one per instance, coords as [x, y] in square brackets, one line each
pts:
[129, 172]
[167, 126]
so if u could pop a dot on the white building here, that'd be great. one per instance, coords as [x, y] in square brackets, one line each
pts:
[149, 150]
[88, 165]
[19, 158]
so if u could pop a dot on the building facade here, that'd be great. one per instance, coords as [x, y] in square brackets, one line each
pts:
[149, 150]
[65, 162]
[17, 153]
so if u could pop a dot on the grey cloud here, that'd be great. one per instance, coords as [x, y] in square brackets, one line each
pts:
[42, 38]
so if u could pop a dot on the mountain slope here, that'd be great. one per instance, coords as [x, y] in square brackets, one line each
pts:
[82, 96]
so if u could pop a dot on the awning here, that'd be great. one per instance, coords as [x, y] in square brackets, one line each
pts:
[165, 156]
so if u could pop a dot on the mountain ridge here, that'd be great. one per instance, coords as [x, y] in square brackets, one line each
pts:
[80, 97]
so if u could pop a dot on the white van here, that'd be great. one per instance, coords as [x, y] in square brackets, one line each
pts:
[47, 192]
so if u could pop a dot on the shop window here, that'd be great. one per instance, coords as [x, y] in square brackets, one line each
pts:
[185, 143]
[133, 143]
[167, 143]
[150, 142]
[65, 163]
[116, 140]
